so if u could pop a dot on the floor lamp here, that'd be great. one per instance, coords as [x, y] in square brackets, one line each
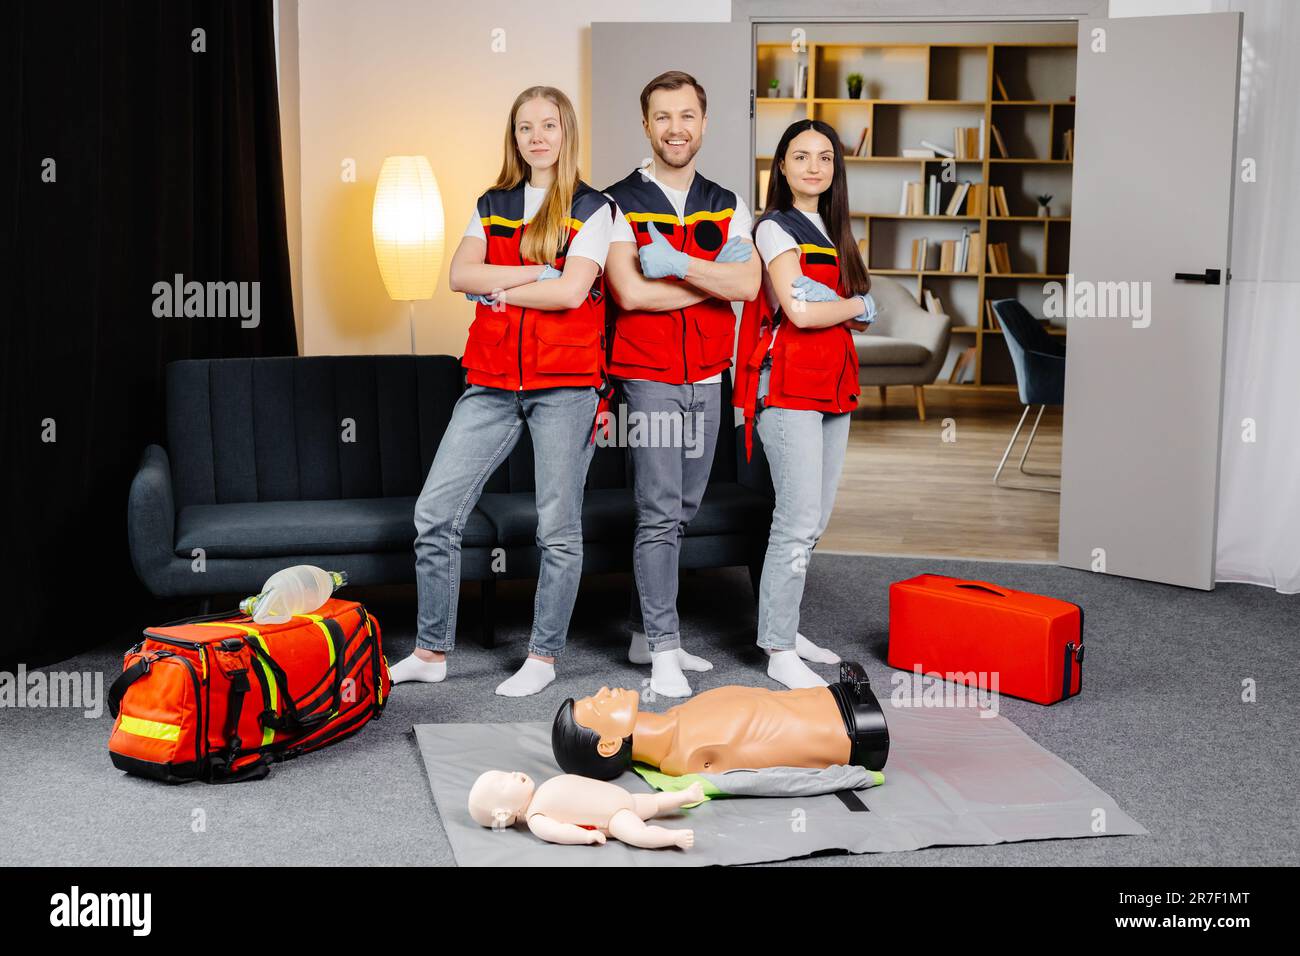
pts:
[407, 225]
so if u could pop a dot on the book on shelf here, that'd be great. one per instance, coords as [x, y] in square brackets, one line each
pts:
[954, 204]
[982, 137]
[966, 140]
[975, 199]
[948, 255]
[998, 201]
[932, 303]
[911, 201]
[963, 250]
[999, 143]
[938, 150]
[861, 148]
[932, 209]
[764, 180]
[990, 316]
[999, 258]
[801, 80]
[915, 152]
[920, 250]
[1002, 90]
[1068, 141]
[976, 254]
[965, 362]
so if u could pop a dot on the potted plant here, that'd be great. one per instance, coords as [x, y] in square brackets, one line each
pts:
[1044, 211]
[854, 81]
[774, 88]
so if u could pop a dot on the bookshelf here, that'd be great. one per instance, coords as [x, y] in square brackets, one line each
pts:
[913, 91]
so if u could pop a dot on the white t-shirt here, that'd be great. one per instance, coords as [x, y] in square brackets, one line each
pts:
[772, 240]
[591, 241]
[742, 221]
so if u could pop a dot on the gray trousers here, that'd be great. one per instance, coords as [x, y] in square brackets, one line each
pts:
[671, 457]
[805, 450]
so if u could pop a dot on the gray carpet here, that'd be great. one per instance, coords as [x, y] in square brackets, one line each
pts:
[1160, 726]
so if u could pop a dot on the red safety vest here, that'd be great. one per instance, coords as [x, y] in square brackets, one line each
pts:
[684, 345]
[814, 369]
[517, 348]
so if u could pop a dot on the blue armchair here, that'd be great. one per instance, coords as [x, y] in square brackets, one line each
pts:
[1039, 360]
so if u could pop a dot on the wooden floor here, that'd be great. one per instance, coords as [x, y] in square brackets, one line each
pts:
[907, 491]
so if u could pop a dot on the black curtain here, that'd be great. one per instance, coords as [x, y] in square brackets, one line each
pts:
[139, 149]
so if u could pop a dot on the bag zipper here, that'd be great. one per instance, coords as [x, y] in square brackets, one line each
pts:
[200, 735]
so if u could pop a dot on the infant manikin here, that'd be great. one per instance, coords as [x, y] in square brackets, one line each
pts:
[578, 810]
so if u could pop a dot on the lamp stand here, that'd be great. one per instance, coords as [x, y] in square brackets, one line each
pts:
[411, 307]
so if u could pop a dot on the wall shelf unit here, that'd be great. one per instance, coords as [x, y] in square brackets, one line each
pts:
[914, 91]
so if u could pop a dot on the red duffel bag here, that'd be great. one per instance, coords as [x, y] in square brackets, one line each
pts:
[1033, 644]
[219, 700]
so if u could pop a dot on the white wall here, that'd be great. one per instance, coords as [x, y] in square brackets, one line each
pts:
[413, 76]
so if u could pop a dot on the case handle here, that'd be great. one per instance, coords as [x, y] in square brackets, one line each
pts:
[981, 586]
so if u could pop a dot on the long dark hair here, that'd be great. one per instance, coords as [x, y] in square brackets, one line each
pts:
[832, 205]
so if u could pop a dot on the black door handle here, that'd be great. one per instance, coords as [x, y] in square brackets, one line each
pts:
[1209, 276]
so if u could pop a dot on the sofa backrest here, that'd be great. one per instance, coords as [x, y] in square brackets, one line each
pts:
[352, 426]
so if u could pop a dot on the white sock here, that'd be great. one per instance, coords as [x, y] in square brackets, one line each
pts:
[411, 668]
[529, 679]
[786, 668]
[638, 652]
[811, 652]
[666, 677]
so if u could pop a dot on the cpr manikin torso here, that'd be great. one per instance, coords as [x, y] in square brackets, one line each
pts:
[738, 727]
[728, 728]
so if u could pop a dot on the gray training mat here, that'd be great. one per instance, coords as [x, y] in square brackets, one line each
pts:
[953, 778]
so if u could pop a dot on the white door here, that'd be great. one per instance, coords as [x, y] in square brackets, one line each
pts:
[1156, 127]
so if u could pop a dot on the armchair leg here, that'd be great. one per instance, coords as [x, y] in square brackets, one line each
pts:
[487, 596]
[920, 401]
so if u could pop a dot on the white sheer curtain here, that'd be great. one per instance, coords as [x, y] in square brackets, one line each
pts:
[1259, 485]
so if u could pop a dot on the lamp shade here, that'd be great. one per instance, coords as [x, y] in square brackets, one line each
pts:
[407, 225]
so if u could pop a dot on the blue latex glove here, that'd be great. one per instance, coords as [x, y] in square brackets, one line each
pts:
[737, 249]
[550, 272]
[868, 307]
[810, 290]
[489, 299]
[659, 259]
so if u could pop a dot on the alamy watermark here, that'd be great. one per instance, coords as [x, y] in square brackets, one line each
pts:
[621, 428]
[1098, 300]
[208, 300]
[950, 689]
[80, 690]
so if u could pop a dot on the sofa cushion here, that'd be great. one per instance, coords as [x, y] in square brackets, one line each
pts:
[884, 350]
[608, 514]
[258, 529]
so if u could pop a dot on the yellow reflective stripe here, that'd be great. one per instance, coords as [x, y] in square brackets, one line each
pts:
[809, 247]
[650, 217]
[329, 643]
[268, 679]
[715, 216]
[500, 221]
[155, 729]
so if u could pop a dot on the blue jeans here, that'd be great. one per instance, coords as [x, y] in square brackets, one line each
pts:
[805, 450]
[668, 479]
[484, 428]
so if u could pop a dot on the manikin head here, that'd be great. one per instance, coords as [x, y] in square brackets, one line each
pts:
[592, 737]
[498, 798]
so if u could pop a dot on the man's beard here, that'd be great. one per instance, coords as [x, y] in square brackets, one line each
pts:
[661, 158]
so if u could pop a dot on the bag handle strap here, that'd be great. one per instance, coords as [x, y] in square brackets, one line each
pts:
[124, 680]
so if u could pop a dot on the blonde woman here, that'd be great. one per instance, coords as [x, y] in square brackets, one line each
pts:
[532, 258]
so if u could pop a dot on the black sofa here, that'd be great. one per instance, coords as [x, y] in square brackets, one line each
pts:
[272, 462]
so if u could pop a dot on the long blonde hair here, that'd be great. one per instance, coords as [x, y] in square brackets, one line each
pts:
[550, 226]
